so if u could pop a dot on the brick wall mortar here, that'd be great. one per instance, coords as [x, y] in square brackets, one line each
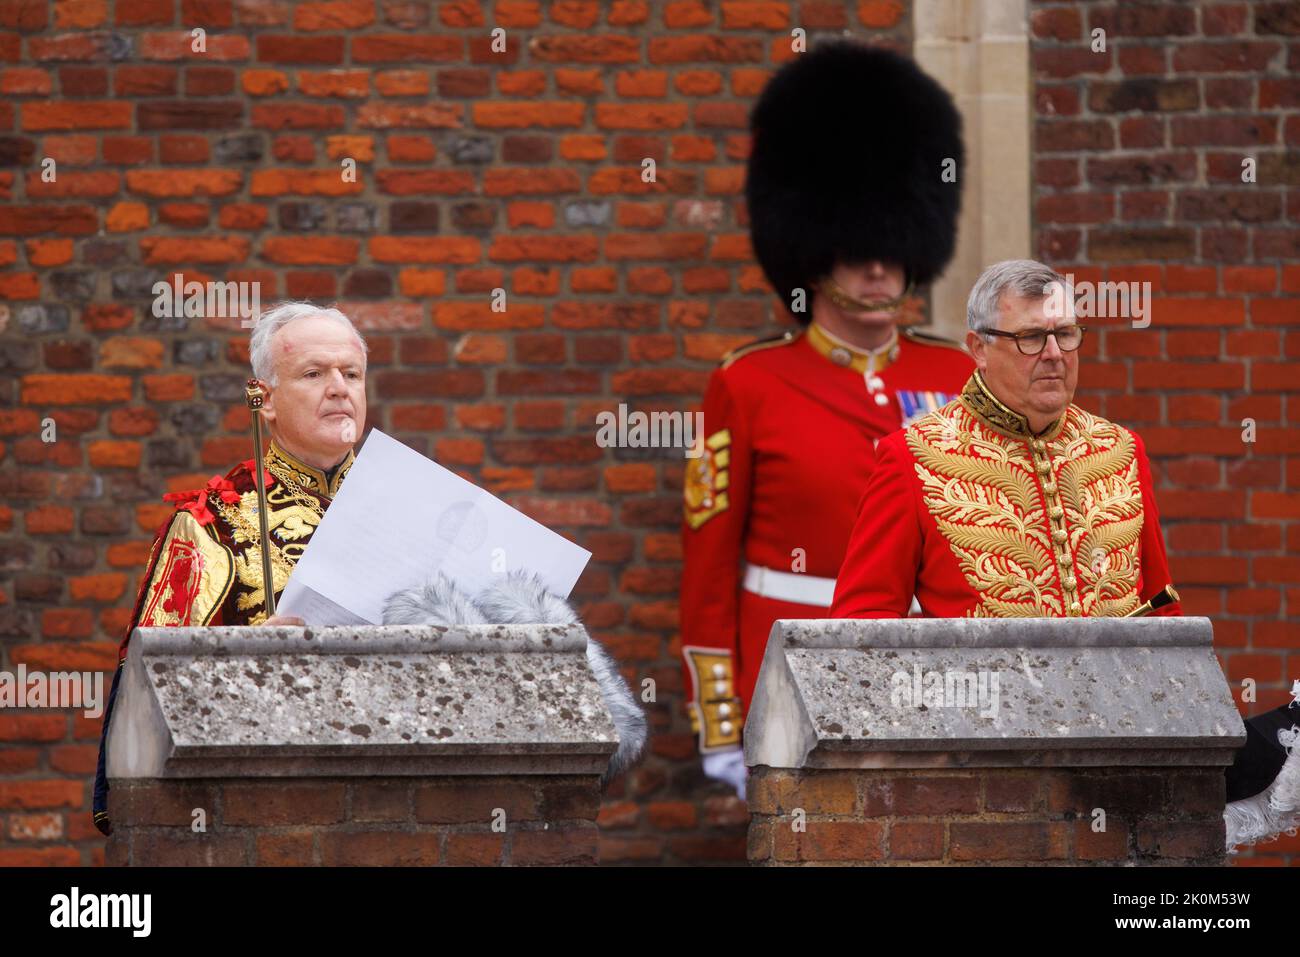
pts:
[990, 816]
[334, 822]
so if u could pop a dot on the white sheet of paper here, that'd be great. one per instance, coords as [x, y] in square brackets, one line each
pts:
[398, 520]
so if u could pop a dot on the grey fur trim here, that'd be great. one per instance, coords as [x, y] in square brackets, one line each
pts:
[522, 599]
[1266, 815]
[628, 717]
[438, 602]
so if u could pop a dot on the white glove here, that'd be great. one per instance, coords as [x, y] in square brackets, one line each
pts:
[728, 766]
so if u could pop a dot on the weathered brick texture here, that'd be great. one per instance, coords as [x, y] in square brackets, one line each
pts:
[380, 821]
[992, 816]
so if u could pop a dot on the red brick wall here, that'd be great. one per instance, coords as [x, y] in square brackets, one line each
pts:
[1138, 161]
[1026, 816]
[379, 821]
[226, 167]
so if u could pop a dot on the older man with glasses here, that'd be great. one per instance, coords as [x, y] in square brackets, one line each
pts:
[1009, 501]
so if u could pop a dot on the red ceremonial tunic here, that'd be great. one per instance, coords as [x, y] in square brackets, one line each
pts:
[790, 425]
[976, 516]
[205, 565]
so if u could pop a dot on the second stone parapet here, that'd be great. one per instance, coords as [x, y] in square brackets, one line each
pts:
[990, 741]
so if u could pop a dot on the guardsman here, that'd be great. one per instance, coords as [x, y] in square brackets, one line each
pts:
[849, 213]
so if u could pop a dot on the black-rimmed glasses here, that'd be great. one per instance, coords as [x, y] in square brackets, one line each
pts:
[1031, 343]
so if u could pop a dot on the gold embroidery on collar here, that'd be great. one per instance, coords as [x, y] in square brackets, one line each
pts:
[1045, 528]
[288, 467]
[984, 405]
[843, 354]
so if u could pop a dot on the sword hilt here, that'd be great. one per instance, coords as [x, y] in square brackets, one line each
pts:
[1166, 596]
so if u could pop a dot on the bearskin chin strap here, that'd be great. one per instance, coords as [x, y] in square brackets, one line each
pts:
[836, 294]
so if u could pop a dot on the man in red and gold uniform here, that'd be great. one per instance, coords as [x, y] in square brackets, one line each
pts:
[844, 227]
[1009, 501]
[205, 567]
[1012, 502]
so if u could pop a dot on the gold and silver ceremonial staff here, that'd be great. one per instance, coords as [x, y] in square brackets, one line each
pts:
[1166, 596]
[253, 394]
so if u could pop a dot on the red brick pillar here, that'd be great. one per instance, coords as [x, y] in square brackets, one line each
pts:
[1041, 742]
[357, 746]
[422, 820]
[989, 816]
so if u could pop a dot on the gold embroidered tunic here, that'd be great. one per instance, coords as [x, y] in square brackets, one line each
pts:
[205, 567]
[978, 516]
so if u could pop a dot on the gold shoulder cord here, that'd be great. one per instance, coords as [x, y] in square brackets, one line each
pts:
[785, 338]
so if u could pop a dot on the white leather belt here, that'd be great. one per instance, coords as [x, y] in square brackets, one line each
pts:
[802, 589]
[787, 586]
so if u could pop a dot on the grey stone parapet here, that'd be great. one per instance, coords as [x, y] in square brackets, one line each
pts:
[358, 701]
[1009, 692]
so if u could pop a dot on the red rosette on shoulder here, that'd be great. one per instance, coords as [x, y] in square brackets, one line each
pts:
[245, 470]
[195, 501]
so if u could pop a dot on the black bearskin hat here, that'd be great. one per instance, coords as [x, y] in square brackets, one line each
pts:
[846, 165]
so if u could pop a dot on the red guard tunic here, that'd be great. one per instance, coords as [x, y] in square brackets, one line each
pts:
[790, 425]
[979, 517]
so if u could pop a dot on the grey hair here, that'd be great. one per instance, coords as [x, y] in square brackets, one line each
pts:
[1025, 277]
[275, 319]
